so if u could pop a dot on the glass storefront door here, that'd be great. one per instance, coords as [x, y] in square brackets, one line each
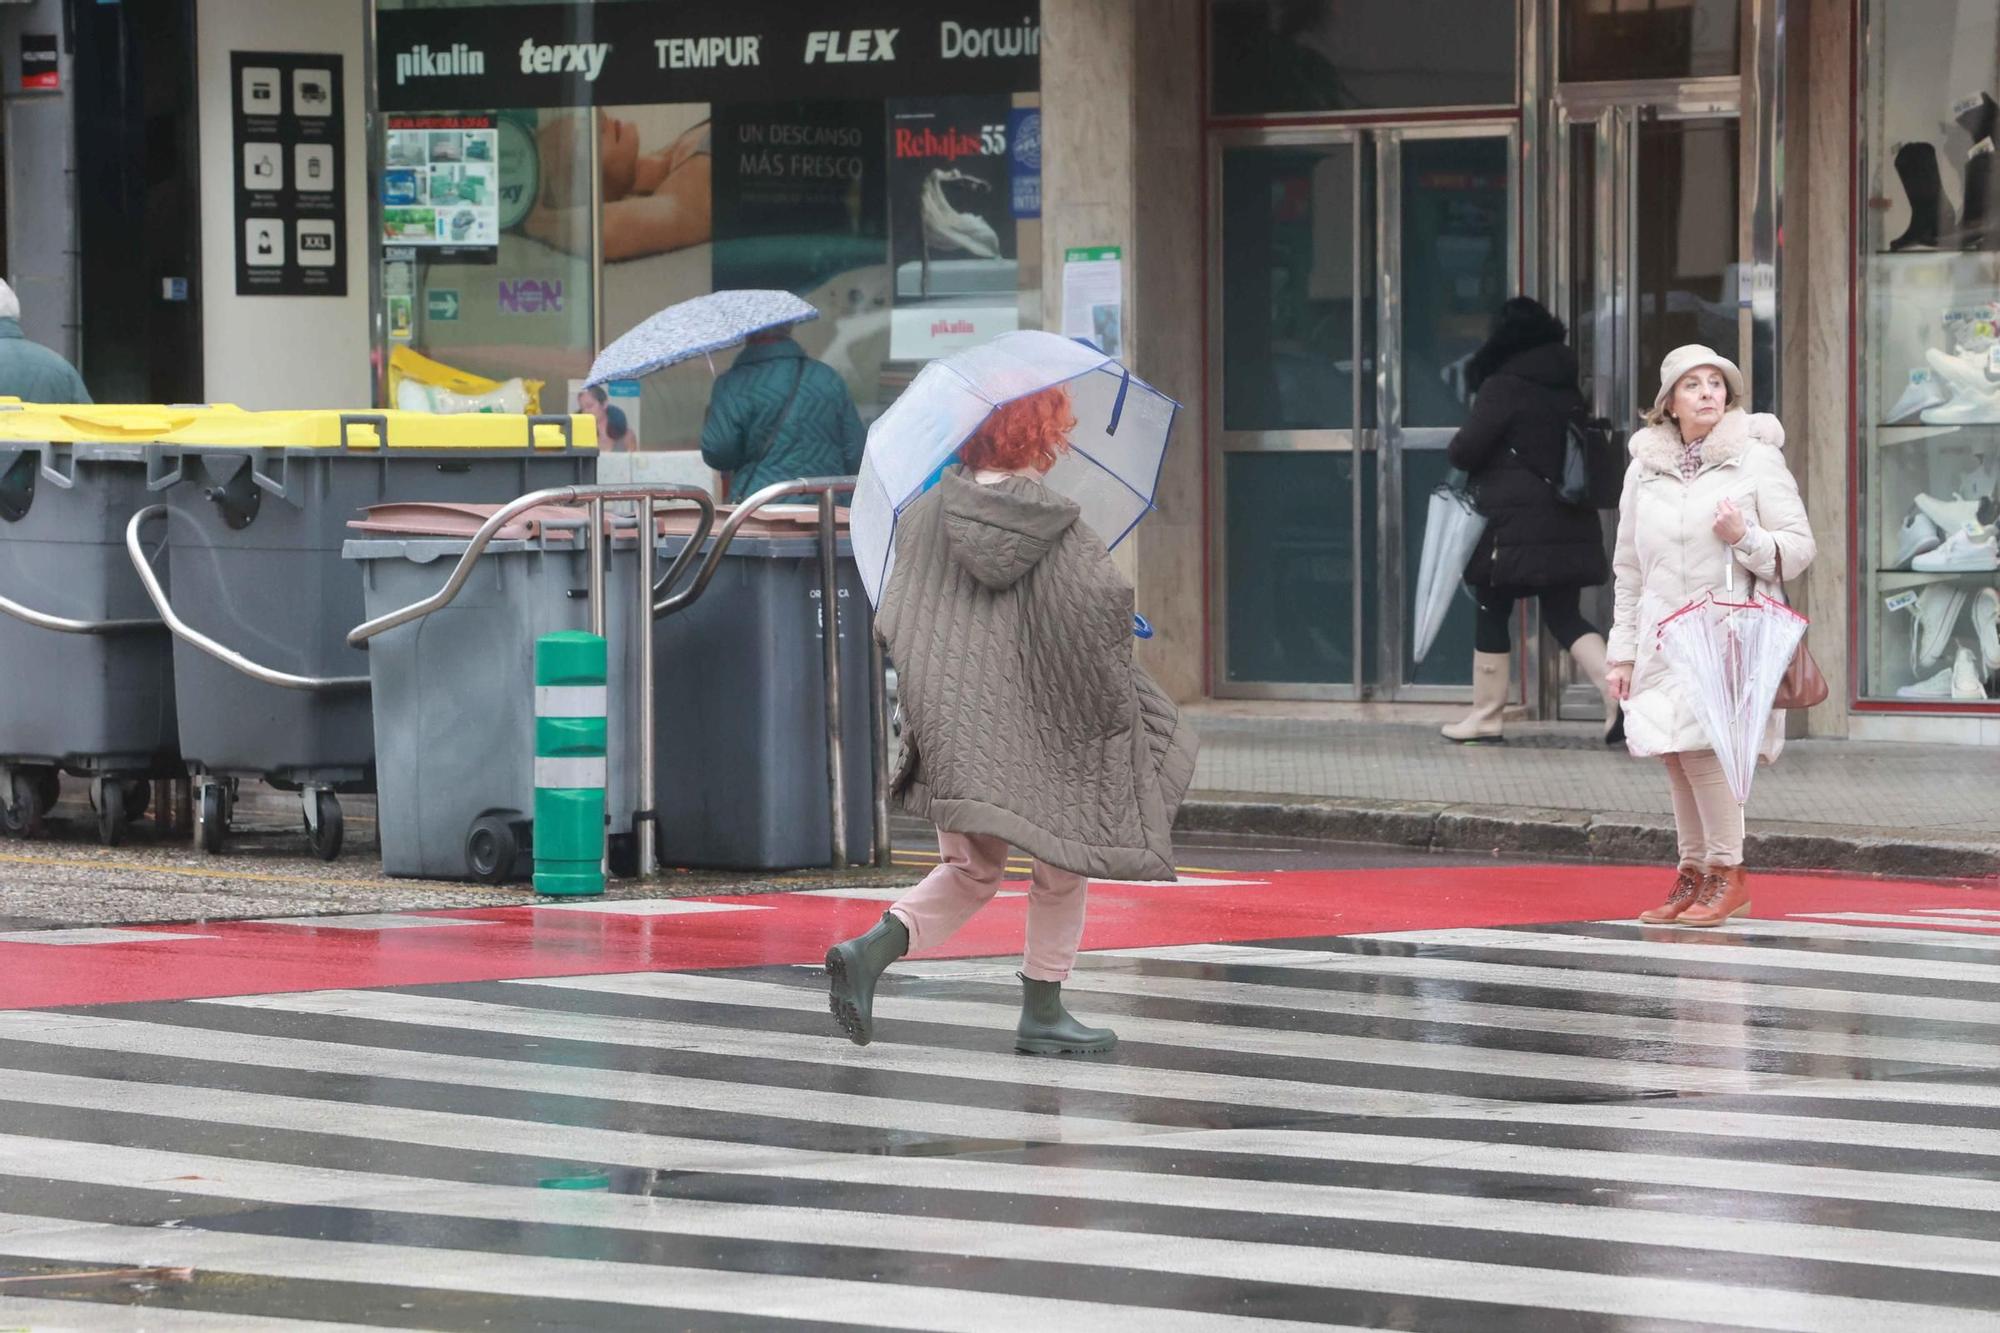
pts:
[1353, 271]
[1650, 256]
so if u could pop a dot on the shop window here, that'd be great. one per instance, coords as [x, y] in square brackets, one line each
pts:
[1272, 57]
[1605, 40]
[1929, 356]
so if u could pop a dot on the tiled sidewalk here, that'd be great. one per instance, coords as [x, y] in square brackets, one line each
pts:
[1907, 790]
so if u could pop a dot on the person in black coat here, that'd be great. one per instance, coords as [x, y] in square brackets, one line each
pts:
[1524, 380]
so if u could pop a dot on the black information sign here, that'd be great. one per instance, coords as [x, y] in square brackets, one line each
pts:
[291, 196]
[547, 55]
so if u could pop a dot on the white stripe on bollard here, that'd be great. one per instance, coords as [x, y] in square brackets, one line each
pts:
[571, 701]
[570, 774]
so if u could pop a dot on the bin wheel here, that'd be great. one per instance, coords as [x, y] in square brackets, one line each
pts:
[325, 830]
[22, 814]
[492, 851]
[111, 814]
[48, 787]
[211, 819]
[621, 856]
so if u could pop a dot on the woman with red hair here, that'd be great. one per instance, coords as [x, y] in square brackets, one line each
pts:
[1025, 719]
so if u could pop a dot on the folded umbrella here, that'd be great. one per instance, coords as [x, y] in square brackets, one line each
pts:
[1451, 529]
[1111, 469]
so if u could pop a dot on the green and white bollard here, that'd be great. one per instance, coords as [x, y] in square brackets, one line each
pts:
[570, 700]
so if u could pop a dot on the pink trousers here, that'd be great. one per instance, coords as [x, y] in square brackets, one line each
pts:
[967, 877]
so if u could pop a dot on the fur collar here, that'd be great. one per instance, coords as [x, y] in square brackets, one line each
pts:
[1658, 448]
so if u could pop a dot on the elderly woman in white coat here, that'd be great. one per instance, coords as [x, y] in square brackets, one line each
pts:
[1707, 488]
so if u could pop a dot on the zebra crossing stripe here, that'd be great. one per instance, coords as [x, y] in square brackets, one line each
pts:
[1637, 1075]
[1242, 1261]
[1711, 950]
[716, 1290]
[1222, 1164]
[1973, 1052]
[1555, 974]
[48, 1316]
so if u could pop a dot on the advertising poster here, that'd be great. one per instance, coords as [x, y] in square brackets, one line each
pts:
[1093, 296]
[952, 250]
[801, 203]
[440, 185]
[617, 406]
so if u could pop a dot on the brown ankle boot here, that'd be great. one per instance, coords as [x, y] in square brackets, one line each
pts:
[1725, 892]
[1687, 884]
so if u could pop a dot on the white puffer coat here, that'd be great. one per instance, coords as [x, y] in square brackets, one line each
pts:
[1668, 554]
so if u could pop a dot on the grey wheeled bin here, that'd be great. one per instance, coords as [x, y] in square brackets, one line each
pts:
[88, 665]
[454, 692]
[740, 706]
[256, 503]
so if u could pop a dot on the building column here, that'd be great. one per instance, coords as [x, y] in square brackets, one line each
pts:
[1121, 165]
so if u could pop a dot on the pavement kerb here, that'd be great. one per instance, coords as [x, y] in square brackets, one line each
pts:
[1575, 834]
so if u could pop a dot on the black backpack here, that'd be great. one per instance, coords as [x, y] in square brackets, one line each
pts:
[1593, 472]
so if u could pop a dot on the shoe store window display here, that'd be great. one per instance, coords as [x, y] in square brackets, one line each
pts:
[1709, 505]
[1930, 357]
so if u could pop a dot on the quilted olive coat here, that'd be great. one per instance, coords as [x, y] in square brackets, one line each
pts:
[1024, 715]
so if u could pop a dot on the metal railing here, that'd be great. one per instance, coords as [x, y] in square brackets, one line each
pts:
[659, 599]
[195, 638]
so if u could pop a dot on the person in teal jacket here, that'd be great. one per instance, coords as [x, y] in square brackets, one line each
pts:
[778, 415]
[28, 370]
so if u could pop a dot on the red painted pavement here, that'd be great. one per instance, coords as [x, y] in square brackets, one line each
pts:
[239, 958]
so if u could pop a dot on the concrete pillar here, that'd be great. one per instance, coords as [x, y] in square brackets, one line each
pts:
[1817, 350]
[1121, 165]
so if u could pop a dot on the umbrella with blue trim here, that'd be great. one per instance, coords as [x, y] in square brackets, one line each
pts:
[1111, 469]
[694, 328]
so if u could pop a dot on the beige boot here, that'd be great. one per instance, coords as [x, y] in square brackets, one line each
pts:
[1589, 655]
[1489, 699]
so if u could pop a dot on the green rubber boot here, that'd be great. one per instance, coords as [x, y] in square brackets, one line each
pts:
[1048, 1029]
[852, 969]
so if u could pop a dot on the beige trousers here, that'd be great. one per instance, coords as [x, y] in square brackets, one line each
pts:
[1708, 819]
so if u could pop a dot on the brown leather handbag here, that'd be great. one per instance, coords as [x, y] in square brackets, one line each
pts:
[1802, 685]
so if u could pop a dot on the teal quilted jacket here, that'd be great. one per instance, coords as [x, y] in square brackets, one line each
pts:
[819, 436]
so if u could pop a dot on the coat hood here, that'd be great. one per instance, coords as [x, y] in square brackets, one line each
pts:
[1552, 365]
[1658, 448]
[1524, 323]
[999, 532]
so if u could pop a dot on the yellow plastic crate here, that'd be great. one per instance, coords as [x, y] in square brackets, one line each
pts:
[224, 427]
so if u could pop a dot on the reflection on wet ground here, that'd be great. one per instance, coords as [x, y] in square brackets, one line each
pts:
[1787, 1124]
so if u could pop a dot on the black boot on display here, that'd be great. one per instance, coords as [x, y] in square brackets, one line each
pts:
[1930, 212]
[1047, 1028]
[1977, 230]
[1978, 116]
[852, 969]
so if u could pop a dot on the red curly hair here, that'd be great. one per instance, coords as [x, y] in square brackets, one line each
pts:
[1029, 432]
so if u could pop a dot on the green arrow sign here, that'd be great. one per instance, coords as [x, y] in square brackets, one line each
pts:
[441, 303]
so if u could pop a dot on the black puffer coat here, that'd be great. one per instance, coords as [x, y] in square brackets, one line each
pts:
[1511, 442]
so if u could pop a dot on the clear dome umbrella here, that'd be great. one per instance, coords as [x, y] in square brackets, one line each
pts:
[1111, 470]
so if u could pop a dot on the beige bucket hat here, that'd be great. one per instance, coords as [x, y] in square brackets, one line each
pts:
[1692, 356]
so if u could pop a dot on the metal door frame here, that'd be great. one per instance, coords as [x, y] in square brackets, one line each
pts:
[1377, 371]
[1614, 112]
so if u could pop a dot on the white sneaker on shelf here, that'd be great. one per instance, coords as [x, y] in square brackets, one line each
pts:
[1960, 680]
[1986, 626]
[1922, 391]
[1968, 550]
[1948, 514]
[1974, 398]
[1918, 535]
[1932, 621]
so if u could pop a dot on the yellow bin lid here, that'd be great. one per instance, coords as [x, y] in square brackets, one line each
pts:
[224, 427]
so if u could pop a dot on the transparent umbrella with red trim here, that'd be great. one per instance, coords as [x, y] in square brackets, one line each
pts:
[1728, 657]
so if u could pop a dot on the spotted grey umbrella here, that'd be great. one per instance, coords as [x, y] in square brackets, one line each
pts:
[694, 328]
